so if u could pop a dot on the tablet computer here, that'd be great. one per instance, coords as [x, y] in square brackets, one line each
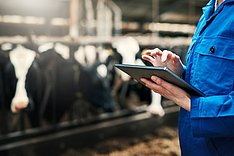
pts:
[137, 72]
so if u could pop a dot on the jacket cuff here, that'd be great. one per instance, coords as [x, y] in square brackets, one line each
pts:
[194, 116]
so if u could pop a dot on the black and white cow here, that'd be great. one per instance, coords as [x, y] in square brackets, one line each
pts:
[22, 81]
[128, 47]
[94, 83]
[22, 59]
[59, 79]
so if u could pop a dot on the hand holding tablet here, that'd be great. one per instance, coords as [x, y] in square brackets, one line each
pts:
[137, 72]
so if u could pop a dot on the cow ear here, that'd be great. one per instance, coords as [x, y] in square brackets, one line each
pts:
[7, 46]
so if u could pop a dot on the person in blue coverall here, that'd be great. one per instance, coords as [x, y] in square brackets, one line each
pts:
[206, 124]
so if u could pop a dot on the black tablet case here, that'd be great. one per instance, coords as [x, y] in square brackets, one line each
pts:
[138, 72]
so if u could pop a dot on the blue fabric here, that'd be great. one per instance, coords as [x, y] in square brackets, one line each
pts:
[208, 129]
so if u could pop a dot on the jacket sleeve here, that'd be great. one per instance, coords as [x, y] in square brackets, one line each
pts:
[213, 116]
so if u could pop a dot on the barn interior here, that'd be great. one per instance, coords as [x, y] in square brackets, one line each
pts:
[67, 94]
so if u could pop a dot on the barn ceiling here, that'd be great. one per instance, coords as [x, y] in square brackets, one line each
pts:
[140, 11]
[133, 10]
[179, 11]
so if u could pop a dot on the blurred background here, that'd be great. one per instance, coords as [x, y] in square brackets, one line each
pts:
[60, 93]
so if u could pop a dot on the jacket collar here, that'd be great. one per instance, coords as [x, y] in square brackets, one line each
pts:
[208, 10]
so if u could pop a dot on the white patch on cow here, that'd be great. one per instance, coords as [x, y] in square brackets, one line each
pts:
[44, 47]
[80, 55]
[21, 58]
[62, 50]
[86, 55]
[90, 53]
[139, 62]
[128, 48]
[155, 107]
[102, 70]
[59, 48]
[103, 54]
[6, 46]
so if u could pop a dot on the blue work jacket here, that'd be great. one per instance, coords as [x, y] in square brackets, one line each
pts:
[208, 129]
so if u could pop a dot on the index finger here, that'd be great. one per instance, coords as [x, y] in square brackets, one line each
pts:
[154, 52]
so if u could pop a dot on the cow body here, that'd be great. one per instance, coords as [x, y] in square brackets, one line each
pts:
[58, 77]
[22, 82]
[6, 93]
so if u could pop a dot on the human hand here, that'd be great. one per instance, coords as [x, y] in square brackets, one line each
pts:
[166, 59]
[168, 90]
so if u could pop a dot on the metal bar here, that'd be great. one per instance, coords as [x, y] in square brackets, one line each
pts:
[50, 144]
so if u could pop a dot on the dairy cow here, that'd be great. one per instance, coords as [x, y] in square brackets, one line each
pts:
[58, 75]
[21, 58]
[94, 82]
[22, 81]
[128, 48]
